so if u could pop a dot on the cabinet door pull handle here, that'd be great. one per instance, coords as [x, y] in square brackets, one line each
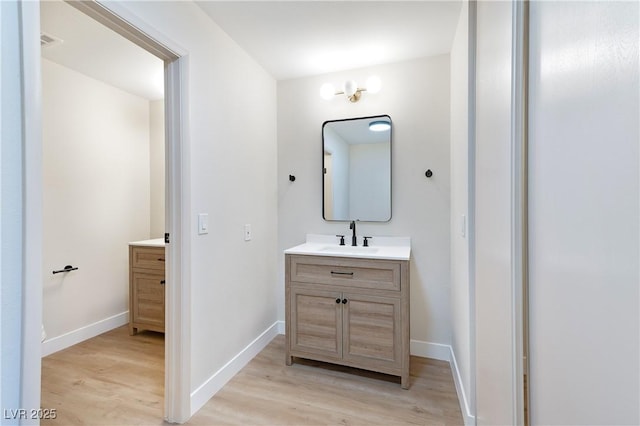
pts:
[342, 273]
[162, 282]
[344, 301]
[160, 259]
[338, 300]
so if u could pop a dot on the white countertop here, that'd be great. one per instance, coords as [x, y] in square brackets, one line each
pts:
[391, 248]
[157, 242]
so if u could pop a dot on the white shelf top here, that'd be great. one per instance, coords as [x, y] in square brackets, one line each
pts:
[157, 242]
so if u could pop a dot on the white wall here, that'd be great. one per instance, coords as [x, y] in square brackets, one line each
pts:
[416, 96]
[230, 173]
[156, 168]
[461, 303]
[584, 210]
[96, 196]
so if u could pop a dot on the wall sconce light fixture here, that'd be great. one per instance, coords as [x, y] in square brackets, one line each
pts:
[350, 89]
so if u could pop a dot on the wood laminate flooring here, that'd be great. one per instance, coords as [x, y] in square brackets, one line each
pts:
[118, 379]
[111, 379]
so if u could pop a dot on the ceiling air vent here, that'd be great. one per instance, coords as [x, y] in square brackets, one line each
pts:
[47, 40]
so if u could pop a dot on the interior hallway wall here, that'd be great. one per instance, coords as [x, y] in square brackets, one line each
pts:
[415, 94]
[95, 197]
[229, 172]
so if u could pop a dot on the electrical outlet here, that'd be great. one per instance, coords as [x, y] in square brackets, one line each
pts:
[247, 232]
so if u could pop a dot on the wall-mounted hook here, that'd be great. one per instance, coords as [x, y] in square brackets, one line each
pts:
[292, 178]
[428, 173]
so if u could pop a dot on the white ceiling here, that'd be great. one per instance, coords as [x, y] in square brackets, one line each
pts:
[96, 51]
[290, 39]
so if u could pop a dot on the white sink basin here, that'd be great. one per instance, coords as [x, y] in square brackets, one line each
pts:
[392, 248]
[348, 249]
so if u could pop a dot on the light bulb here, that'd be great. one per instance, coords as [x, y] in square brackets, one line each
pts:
[374, 84]
[350, 87]
[327, 91]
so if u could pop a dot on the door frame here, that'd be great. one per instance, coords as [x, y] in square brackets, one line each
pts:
[114, 15]
[507, 396]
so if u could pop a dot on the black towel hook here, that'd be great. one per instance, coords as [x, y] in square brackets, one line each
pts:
[66, 269]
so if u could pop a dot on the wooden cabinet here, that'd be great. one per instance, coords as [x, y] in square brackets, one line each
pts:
[146, 288]
[348, 311]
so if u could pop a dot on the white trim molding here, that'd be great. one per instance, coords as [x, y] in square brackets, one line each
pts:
[31, 209]
[467, 414]
[74, 337]
[443, 352]
[209, 388]
[430, 350]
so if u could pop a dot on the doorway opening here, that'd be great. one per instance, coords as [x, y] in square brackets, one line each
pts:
[176, 366]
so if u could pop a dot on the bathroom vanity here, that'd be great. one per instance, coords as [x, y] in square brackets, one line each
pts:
[349, 305]
[146, 285]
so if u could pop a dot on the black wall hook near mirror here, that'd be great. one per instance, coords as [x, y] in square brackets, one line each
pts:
[428, 173]
[66, 269]
[292, 178]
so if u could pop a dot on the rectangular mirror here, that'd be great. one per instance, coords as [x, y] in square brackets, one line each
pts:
[356, 168]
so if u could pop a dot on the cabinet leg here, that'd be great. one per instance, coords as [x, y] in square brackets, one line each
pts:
[288, 359]
[404, 381]
[132, 331]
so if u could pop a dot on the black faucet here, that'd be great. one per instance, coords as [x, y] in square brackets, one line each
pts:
[354, 240]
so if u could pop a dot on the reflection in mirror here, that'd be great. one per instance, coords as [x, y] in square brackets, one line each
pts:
[357, 169]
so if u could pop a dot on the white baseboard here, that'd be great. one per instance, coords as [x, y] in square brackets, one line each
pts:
[200, 396]
[469, 418]
[430, 350]
[445, 353]
[71, 338]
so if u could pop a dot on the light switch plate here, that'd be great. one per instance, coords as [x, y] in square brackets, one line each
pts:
[247, 232]
[203, 223]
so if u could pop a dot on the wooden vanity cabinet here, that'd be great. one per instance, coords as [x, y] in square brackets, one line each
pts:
[348, 311]
[146, 288]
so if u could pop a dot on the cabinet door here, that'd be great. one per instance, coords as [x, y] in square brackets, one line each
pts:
[148, 299]
[316, 322]
[372, 330]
